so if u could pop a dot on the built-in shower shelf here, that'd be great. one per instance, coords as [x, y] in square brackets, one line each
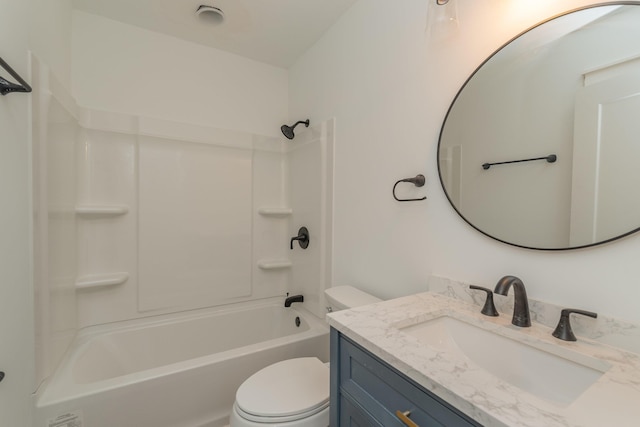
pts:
[275, 211]
[101, 210]
[101, 280]
[274, 264]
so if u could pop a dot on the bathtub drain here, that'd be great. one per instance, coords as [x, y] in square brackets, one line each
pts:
[297, 321]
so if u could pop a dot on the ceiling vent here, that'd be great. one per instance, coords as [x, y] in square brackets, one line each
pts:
[210, 15]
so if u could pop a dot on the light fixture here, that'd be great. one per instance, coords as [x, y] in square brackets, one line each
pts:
[442, 2]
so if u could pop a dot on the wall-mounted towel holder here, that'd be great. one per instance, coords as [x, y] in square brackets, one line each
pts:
[551, 158]
[6, 86]
[418, 181]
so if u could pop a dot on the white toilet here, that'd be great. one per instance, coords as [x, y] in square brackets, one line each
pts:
[294, 392]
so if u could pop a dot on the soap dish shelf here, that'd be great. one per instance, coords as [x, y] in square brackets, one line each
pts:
[274, 264]
[275, 211]
[93, 281]
[101, 210]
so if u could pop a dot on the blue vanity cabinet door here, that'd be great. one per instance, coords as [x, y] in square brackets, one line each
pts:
[353, 415]
[364, 387]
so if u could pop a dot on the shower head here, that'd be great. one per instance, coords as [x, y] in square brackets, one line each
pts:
[288, 130]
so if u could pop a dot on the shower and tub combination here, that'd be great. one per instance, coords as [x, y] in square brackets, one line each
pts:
[175, 263]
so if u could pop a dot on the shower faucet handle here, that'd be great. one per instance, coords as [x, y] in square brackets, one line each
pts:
[302, 238]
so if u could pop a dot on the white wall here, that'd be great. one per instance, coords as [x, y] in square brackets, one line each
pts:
[52, 159]
[50, 36]
[42, 27]
[389, 90]
[122, 68]
[16, 305]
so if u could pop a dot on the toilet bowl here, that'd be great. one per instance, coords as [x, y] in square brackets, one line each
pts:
[293, 392]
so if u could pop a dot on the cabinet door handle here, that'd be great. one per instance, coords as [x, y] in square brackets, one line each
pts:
[404, 417]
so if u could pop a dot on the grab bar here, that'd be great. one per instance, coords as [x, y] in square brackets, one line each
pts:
[6, 86]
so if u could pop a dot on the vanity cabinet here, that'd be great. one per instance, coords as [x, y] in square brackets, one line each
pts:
[366, 391]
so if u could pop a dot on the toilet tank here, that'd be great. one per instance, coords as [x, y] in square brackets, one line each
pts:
[344, 297]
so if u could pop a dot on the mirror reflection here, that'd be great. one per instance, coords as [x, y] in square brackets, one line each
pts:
[570, 88]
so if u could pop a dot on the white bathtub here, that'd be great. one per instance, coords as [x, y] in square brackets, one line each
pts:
[174, 371]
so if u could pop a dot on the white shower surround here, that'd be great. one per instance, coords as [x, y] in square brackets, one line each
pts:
[182, 216]
[156, 224]
[192, 236]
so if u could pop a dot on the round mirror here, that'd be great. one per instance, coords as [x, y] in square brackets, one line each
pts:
[540, 148]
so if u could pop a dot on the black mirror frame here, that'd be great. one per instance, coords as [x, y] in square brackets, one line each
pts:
[444, 122]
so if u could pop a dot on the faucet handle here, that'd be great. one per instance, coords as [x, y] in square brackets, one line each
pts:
[563, 331]
[302, 238]
[489, 308]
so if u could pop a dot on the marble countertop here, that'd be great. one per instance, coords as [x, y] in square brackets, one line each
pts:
[613, 400]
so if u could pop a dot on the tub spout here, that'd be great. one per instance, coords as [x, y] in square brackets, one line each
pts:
[292, 299]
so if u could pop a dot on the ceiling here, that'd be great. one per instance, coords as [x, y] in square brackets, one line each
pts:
[276, 32]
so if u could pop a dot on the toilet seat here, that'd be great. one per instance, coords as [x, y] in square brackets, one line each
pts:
[285, 391]
[278, 419]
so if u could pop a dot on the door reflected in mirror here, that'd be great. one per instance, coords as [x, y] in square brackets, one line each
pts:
[568, 87]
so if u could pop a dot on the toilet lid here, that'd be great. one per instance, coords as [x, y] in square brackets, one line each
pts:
[286, 389]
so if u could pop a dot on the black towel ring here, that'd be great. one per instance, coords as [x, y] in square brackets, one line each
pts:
[418, 181]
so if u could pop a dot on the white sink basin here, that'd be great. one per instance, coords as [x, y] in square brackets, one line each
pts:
[535, 371]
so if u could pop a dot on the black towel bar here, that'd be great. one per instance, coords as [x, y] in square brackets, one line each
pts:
[6, 86]
[551, 158]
